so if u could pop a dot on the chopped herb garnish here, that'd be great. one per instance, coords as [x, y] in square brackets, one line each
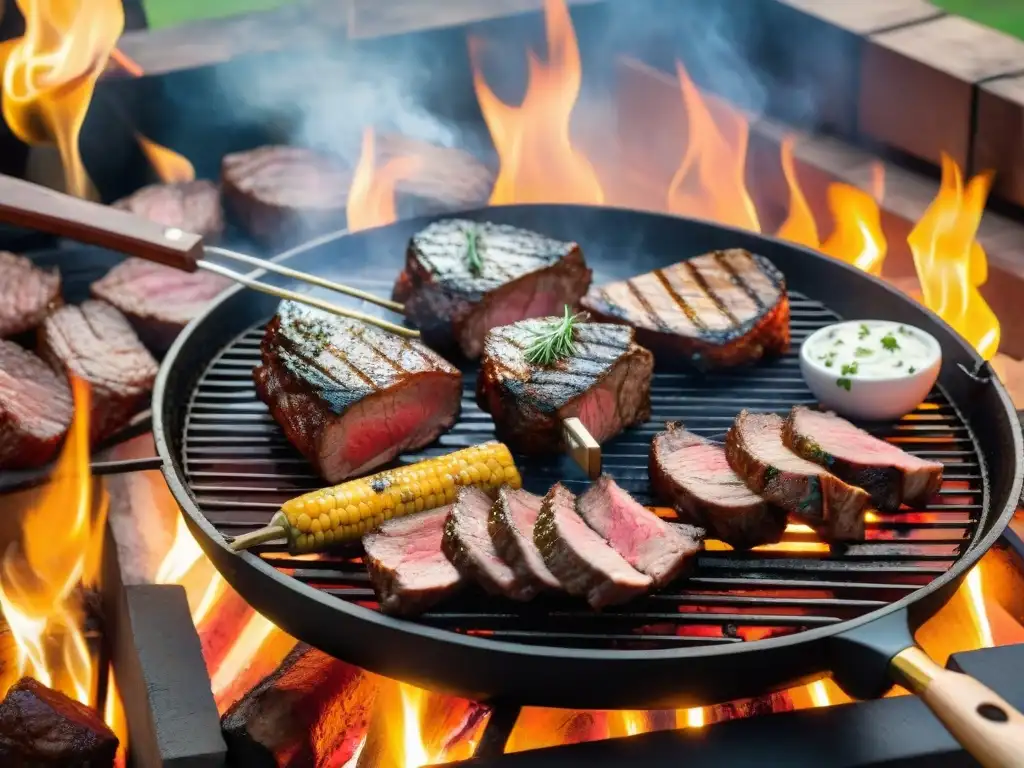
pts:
[864, 331]
[555, 339]
[832, 334]
[902, 330]
[911, 369]
[474, 260]
[899, 363]
[844, 383]
[839, 343]
[829, 358]
[849, 368]
[862, 352]
[889, 342]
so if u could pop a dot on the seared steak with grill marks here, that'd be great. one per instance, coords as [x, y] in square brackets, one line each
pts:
[35, 409]
[721, 309]
[285, 195]
[512, 520]
[193, 206]
[756, 452]
[408, 570]
[523, 274]
[97, 344]
[469, 547]
[644, 540]
[890, 475]
[606, 384]
[349, 395]
[579, 558]
[27, 293]
[692, 474]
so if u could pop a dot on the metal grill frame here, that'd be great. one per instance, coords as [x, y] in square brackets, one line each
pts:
[922, 578]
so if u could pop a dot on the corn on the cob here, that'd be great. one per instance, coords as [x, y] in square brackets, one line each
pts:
[321, 519]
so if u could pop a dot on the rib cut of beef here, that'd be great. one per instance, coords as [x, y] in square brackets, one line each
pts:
[351, 396]
[96, 343]
[691, 473]
[511, 524]
[649, 544]
[192, 206]
[756, 452]
[408, 570]
[890, 475]
[579, 558]
[468, 546]
[522, 274]
[606, 384]
[27, 293]
[284, 195]
[721, 309]
[35, 409]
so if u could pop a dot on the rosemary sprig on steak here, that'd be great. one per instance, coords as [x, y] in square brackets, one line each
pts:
[555, 340]
[474, 260]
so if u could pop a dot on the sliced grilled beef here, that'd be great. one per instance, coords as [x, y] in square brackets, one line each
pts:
[579, 558]
[756, 452]
[645, 541]
[284, 195]
[193, 206]
[408, 570]
[96, 343]
[349, 395]
[890, 475]
[35, 409]
[513, 518]
[469, 547]
[443, 179]
[159, 301]
[606, 384]
[27, 293]
[522, 274]
[721, 309]
[692, 474]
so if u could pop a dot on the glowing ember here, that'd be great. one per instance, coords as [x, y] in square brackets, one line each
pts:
[539, 163]
[951, 264]
[250, 638]
[170, 167]
[371, 198]
[49, 74]
[691, 718]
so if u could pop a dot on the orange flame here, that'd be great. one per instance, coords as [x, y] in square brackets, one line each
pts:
[114, 717]
[710, 182]
[371, 198]
[40, 575]
[170, 167]
[951, 264]
[539, 163]
[50, 73]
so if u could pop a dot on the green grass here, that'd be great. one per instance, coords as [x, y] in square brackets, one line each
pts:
[166, 13]
[1005, 15]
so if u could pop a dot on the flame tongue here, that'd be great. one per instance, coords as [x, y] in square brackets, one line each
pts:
[170, 167]
[371, 197]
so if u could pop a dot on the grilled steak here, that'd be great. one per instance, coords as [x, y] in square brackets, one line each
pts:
[756, 452]
[35, 409]
[408, 570]
[349, 395]
[159, 301]
[692, 474]
[644, 540]
[513, 518]
[606, 384]
[721, 309]
[97, 344]
[469, 547]
[579, 558]
[193, 206]
[284, 195]
[890, 475]
[523, 274]
[27, 293]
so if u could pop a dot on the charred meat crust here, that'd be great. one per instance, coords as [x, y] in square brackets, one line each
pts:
[35, 408]
[720, 309]
[744, 521]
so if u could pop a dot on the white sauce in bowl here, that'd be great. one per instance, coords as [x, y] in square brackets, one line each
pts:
[871, 349]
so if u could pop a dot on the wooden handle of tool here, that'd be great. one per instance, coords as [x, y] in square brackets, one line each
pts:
[983, 722]
[29, 205]
[582, 447]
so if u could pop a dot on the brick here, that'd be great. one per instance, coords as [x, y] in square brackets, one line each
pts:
[917, 84]
[999, 136]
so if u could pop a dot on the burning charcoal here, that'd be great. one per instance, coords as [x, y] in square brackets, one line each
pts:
[311, 708]
[26, 294]
[40, 728]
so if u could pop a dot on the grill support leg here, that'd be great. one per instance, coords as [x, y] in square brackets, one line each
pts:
[499, 727]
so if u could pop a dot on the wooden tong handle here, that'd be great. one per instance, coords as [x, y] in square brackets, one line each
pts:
[582, 447]
[29, 205]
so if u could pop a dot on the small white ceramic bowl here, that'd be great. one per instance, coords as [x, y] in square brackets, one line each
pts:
[875, 395]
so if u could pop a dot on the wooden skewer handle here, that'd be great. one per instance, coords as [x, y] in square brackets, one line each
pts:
[24, 204]
[582, 446]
